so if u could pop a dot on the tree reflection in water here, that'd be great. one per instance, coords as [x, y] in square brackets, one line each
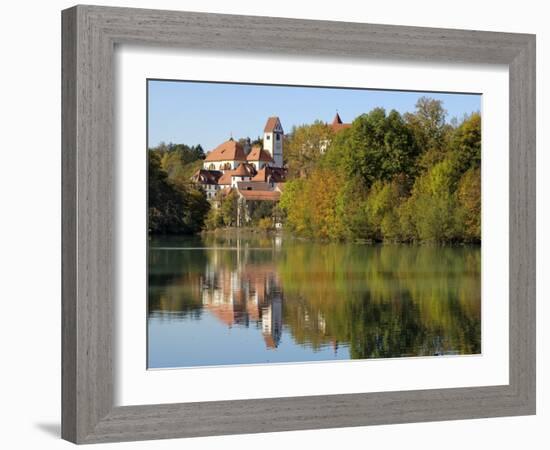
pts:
[377, 301]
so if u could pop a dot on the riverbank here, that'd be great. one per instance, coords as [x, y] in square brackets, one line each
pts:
[258, 232]
[241, 231]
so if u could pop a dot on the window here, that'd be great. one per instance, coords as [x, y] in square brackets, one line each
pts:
[268, 137]
[278, 137]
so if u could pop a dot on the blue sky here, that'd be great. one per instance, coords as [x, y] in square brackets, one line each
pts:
[209, 113]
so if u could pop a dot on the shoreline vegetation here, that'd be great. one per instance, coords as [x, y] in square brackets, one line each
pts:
[251, 232]
[390, 177]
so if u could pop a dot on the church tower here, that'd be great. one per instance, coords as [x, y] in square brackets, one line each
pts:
[273, 140]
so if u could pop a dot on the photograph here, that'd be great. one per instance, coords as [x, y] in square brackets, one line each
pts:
[264, 225]
[293, 224]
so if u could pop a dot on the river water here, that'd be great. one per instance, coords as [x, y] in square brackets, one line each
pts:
[250, 298]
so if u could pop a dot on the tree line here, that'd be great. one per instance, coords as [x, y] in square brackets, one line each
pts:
[389, 177]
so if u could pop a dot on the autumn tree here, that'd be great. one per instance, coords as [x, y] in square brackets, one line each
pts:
[381, 210]
[389, 177]
[428, 123]
[304, 146]
[434, 205]
[430, 130]
[469, 197]
[229, 208]
[465, 143]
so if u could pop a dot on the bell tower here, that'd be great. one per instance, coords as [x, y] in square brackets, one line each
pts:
[273, 140]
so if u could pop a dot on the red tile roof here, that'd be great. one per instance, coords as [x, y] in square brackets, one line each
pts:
[228, 151]
[258, 154]
[337, 124]
[243, 170]
[204, 176]
[272, 196]
[225, 179]
[261, 175]
[271, 124]
[340, 126]
[276, 174]
[254, 186]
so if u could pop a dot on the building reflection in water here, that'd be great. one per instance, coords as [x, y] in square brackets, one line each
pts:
[249, 296]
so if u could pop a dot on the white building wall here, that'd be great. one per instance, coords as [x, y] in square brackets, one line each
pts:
[235, 180]
[258, 164]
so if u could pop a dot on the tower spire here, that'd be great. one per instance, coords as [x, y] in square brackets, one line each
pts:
[337, 120]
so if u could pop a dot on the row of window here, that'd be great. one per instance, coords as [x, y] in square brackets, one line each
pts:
[227, 166]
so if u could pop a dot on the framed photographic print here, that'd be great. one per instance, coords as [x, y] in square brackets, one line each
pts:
[278, 224]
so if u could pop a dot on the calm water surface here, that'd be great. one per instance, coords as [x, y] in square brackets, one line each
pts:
[245, 299]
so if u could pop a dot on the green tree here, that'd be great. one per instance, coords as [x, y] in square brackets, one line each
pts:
[466, 144]
[171, 208]
[165, 206]
[431, 133]
[382, 203]
[469, 197]
[265, 224]
[196, 208]
[294, 204]
[376, 147]
[229, 208]
[433, 206]
[351, 208]
[428, 123]
[259, 210]
[179, 161]
[304, 146]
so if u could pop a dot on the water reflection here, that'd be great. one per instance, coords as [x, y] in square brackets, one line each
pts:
[251, 295]
[246, 299]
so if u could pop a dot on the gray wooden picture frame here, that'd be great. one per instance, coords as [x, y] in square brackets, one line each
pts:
[90, 34]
